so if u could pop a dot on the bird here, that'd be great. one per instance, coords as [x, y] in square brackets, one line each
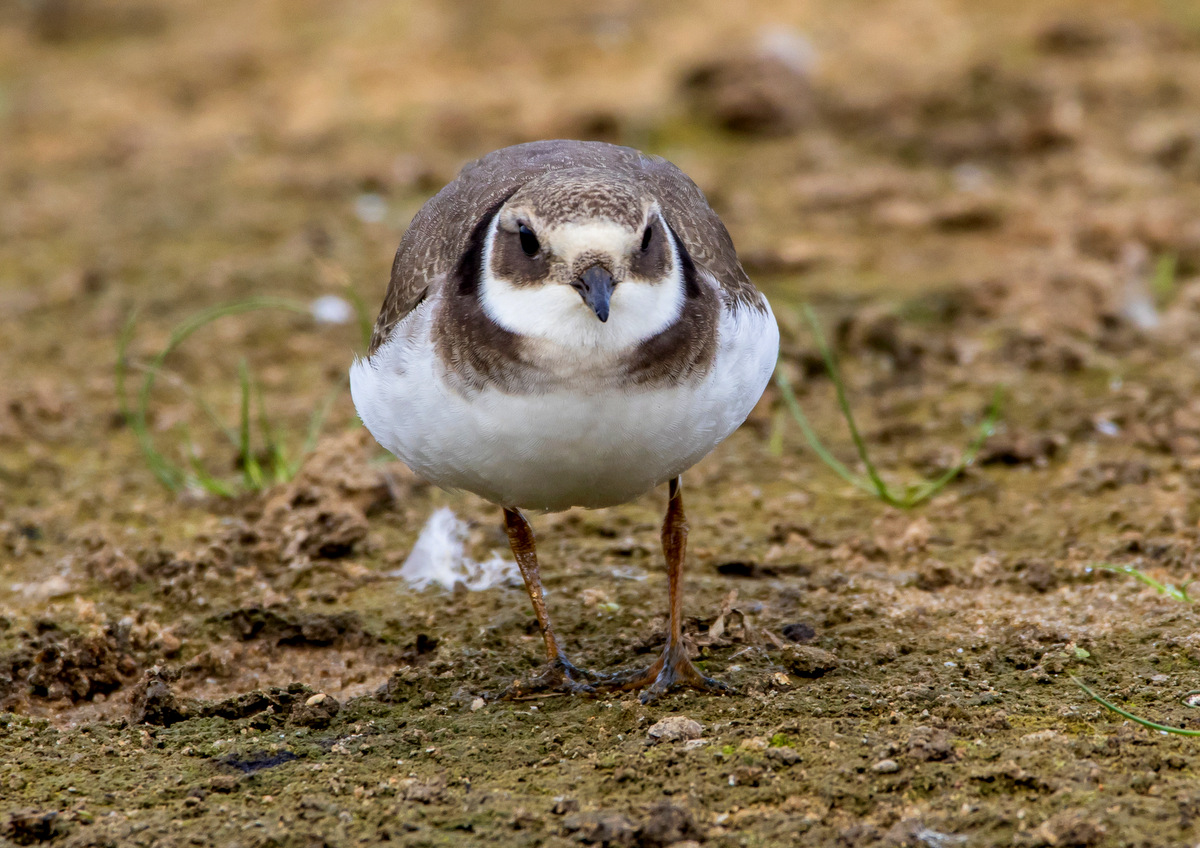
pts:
[567, 324]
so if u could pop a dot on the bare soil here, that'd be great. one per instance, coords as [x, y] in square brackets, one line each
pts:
[972, 195]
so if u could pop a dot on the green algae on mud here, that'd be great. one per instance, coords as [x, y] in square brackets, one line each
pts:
[423, 765]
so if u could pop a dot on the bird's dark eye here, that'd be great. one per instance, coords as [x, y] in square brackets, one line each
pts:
[529, 242]
[646, 237]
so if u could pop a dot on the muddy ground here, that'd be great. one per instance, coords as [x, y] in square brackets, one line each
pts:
[972, 195]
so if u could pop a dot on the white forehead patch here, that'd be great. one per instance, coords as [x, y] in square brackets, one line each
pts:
[566, 241]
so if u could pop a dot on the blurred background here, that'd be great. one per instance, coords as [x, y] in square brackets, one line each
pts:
[177, 156]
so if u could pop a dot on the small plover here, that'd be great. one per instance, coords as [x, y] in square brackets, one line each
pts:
[568, 325]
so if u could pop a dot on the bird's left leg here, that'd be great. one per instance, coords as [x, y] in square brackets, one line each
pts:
[673, 668]
[559, 673]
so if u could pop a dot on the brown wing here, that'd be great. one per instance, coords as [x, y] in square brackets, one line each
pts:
[437, 236]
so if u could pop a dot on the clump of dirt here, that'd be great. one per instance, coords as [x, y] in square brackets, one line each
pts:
[323, 512]
[751, 93]
[154, 702]
[343, 629]
[74, 667]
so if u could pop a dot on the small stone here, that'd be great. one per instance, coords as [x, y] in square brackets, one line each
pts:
[317, 712]
[928, 744]
[668, 824]
[755, 95]
[807, 661]
[223, 783]
[1070, 827]
[746, 776]
[886, 767]
[601, 828]
[27, 827]
[153, 702]
[798, 631]
[784, 754]
[755, 743]
[424, 791]
[676, 729]
[564, 805]
[478, 704]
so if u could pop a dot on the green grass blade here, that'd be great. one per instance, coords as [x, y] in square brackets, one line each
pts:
[181, 333]
[778, 424]
[873, 483]
[814, 442]
[315, 424]
[195, 397]
[1168, 589]
[252, 475]
[170, 475]
[880, 487]
[987, 427]
[277, 466]
[1163, 282]
[201, 478]
[1152, 725]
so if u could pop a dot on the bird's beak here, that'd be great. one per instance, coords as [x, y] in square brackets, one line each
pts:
[595, 286]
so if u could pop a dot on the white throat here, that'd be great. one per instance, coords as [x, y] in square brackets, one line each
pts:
[557, 314]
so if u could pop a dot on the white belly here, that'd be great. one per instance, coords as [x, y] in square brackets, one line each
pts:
[563, 448]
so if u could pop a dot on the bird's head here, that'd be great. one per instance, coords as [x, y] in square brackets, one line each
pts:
[583, 259]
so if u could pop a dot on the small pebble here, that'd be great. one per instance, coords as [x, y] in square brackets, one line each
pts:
[886, 767]
[478, 704]
[675, 729]
[317, 711]
[564, 805]
[784, 754]
[799, 632]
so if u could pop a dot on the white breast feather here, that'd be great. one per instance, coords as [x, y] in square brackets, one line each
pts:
[563, 448]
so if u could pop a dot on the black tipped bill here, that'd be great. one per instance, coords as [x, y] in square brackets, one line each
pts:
[595, 286]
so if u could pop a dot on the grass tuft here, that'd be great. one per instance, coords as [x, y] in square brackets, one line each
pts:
[872, 482]
[263, 458]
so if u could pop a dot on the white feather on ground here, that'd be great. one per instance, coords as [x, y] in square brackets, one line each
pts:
[439, 558]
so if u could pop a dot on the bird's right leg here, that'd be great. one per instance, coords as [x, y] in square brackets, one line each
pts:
[673, 669]
[559, 673]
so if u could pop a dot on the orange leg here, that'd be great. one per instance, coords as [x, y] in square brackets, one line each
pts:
[672, 669]
[559, 674]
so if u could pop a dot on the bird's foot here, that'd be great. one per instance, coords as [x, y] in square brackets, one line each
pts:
[672, 670]
[557, 676]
